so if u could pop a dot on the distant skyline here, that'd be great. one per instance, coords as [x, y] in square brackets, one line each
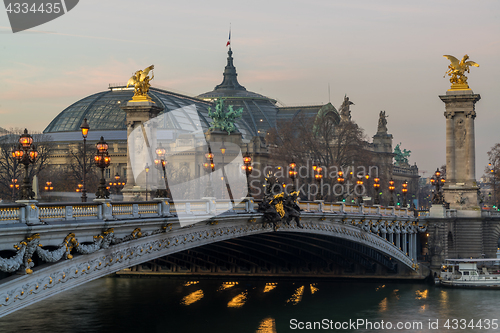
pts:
[385, 55]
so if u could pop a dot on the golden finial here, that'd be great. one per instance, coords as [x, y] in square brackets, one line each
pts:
[457, 70]
[140, 80]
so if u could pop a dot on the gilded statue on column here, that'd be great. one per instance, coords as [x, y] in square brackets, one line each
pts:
[140, 81]
[457, 70]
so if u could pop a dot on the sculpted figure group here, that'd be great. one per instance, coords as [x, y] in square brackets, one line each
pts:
[280, 207]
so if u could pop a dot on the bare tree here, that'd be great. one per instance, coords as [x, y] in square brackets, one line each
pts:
[322, 140]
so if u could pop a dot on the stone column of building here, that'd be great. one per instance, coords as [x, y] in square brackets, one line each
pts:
[460, 189]
[138, 113]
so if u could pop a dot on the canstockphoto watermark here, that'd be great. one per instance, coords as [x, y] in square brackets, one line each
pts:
[26, 14]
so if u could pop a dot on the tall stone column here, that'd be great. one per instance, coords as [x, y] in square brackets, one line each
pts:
[460, 190]
[138, 113]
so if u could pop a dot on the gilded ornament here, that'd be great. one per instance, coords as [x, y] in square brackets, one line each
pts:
[456, 71]
[140, 81]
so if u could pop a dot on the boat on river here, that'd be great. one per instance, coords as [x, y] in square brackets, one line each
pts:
[465, 273]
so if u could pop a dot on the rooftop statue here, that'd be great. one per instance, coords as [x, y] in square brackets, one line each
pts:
[382, 122]
[140, 80]
[401, 157]
[457, 70]
[345, 112]
[223, 120]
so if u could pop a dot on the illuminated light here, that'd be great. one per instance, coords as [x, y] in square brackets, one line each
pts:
[194, 297]
[269, 287]
[267, 325]
[238, 301]
[313, 288]
[297, 296]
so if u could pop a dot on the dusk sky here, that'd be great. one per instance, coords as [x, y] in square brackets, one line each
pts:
[385, 55]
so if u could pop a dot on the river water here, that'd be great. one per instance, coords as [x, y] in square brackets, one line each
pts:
[258, 306]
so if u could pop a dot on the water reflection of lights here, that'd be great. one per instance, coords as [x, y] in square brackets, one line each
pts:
[297, 296]
[227, 285]
[192, 298]
[395, 293]
[313, 288]
[444, 298]
[421, 294]
[380, 287]
[269, 287]
[422, 308]
[267, 325]
[238, 301]
[383, 305]
[189, 283]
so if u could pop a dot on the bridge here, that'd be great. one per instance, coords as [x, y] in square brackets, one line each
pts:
[48, 248]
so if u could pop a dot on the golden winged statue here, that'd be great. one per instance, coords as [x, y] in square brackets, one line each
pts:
[457, 70]
[140, 80]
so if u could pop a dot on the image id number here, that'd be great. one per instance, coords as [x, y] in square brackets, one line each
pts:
[25, 8]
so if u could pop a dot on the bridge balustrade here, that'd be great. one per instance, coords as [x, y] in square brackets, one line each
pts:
[35, 212]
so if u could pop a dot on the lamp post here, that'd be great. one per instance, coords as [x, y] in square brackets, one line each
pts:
[438, 182]
[116, 185]
[26, 154]
[161, 164]
[209, 167]
[492, 171]
[102, 161]
[318, 175]
[376, 186]
[340, 180]
[391, 191]
[292, 173]
[247, 167]
[147, 171]
[48, 189]
[14, 186]
[228, 188]
[359, 185]
[404, 190]
[85, 131]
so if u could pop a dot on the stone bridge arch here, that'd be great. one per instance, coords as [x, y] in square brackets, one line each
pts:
[161, 239]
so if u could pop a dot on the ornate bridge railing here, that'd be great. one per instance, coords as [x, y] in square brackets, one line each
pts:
[37, 213]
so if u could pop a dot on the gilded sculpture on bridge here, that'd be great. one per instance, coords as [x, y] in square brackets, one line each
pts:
[140, 81]
[457, 70]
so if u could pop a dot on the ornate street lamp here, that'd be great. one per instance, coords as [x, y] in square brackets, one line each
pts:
[102, 161]
[147, 171]
[376, 187]
[292, 173]
[438, 182]
[319, 178]
[14, 186]
[116, 185]
[209, 167]
[359, 184]
[161, 164]
[26, 154]
[85, 131]
[492, 171]
[404, 190]
[228, 188]
[48, 188]
[247, 167]
[341, 180]
[391, 191]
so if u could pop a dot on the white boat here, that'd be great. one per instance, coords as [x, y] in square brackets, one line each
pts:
[464, 273]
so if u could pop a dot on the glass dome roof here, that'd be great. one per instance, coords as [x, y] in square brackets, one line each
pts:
[103, 112]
